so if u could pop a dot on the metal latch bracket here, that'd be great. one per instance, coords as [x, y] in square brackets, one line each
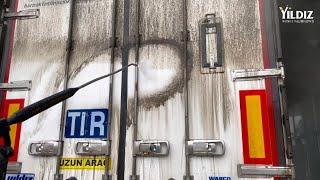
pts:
[45, 148]
[151, 148]
[93, 148]
[205, 147]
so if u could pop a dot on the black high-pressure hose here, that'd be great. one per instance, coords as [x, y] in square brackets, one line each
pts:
[37, 107]
[34, 109]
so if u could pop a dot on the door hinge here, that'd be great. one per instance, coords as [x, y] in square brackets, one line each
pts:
[21, 15]
[14, 167]
[16, 86]
[264, 171]
[252, 74]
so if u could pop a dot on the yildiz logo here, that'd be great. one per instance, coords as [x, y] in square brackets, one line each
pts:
[289, 15]
[219, 178]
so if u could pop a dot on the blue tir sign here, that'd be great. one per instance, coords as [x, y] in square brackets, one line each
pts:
[86, 123]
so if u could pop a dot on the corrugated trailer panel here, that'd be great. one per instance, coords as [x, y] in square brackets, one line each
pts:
[90, 58]
[214, 102]
[38, 55]
[161, 113]
[214, 105]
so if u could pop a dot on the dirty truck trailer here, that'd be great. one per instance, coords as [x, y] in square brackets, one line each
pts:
[205, 102]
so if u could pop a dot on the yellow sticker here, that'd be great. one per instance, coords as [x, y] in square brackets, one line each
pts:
[13, 128]
[90, 163]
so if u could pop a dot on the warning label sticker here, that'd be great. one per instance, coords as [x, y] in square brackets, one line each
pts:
[97, 163]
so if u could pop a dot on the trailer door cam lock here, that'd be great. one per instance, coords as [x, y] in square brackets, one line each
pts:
[206, 147]
[45, 148]
[151, 148]
[93, 148]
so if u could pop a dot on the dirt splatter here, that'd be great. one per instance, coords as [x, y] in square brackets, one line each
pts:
[158, 98]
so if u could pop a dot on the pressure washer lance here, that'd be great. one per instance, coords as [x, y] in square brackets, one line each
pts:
[32, 110]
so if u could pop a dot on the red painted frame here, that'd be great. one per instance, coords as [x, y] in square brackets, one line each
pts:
[6, 75]
[7, 102]
[266, 127]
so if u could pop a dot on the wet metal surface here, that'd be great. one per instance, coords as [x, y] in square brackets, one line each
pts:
[214, 112]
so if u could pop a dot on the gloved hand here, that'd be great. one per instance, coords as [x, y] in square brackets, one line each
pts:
[6, 151]
[4, 132]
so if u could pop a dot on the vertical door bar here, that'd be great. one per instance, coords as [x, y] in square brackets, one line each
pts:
[107, 174]
[136, 86]
[124, 92]
[57, 175]
[186, 90]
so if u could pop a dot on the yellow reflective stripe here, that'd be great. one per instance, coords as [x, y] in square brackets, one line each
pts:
[13, 128]
[255, 127]
[85, 163]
